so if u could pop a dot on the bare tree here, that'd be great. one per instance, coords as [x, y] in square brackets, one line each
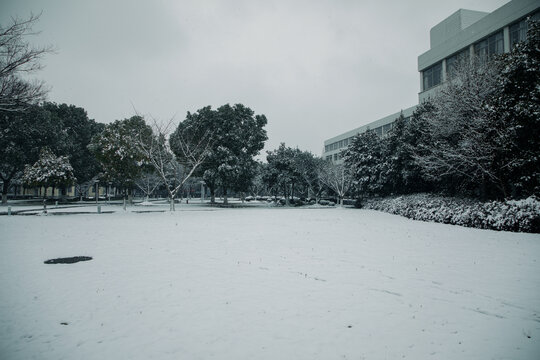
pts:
[174, 171]
[18, 58]
[82, 188]
[148, 182]
[460, 126]
[337, 178]
[309, 167]
[258, 186]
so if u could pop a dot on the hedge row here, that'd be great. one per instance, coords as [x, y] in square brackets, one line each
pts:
[511, 215]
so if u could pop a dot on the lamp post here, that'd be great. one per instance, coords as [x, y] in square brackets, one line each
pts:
[97, 191]
[109, 192]
[202, 191]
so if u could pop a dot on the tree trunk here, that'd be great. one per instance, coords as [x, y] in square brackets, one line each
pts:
[483, 187]
[5, 187]
[171, 208]
[212, 196]
[225, 200]
[130, 196]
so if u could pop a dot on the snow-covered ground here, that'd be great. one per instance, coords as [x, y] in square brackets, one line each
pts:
[265, 283]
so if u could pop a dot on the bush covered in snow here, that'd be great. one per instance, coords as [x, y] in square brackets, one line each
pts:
[511, 215]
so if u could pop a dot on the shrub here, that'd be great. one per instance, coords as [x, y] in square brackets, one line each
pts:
[510, 215]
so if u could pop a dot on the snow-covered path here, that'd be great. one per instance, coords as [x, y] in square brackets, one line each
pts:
[265, 284]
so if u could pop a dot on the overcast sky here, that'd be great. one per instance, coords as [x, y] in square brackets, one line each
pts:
[314, 68]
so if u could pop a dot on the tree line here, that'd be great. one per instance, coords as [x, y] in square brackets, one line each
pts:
[55, 145]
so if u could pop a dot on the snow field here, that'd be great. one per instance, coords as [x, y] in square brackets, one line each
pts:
[266, 284]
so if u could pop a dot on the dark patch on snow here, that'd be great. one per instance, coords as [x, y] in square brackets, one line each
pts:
[64, 213]
[69, 260]
[63, 323]
[80, 212]
[387, 292]
[483, 312]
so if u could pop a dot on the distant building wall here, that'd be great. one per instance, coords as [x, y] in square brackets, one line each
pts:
[334, 146]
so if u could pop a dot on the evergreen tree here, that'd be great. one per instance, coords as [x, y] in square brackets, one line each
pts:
[23, 134]
[118, 152]
[516, 110]
[309, 166]
[414, 140]
[49, 171]
[282, 173]
[238, 136]
[78, 130]
[394, 159]
[364, 160]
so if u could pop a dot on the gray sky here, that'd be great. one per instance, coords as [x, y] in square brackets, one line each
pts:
[314, 68]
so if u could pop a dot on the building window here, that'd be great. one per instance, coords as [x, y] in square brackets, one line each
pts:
[329, 158]
[518, 31]
[481, 49]
[496, 44]
[490, 46]
[432, 76]
[454, 61]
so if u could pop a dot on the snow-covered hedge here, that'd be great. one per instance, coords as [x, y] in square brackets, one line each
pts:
[511, 215]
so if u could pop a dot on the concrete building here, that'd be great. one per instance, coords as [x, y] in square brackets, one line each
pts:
[464, 34]
[334, 146]
[468, 33]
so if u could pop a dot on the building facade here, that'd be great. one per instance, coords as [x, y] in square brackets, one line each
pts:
[463, 35]
[468, 34]
[334, 146]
